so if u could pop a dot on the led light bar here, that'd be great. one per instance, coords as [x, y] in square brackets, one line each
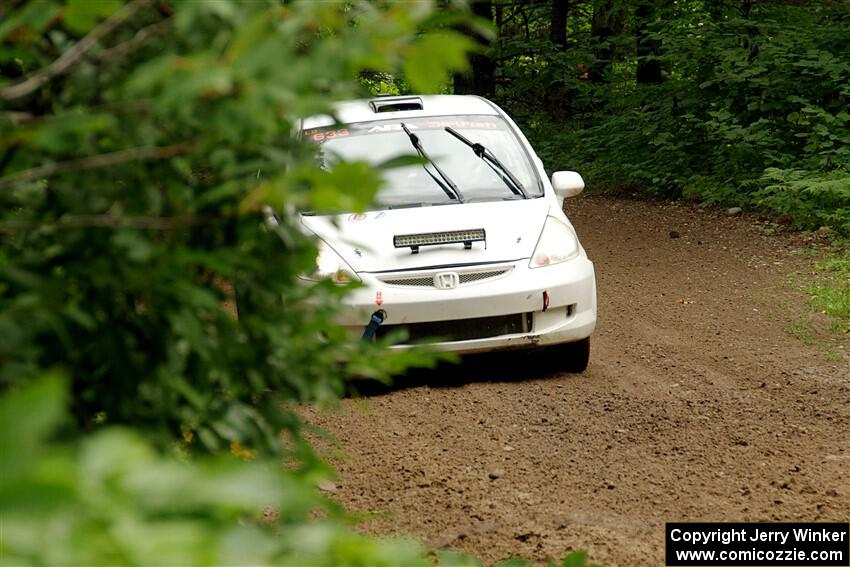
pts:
[414, 241]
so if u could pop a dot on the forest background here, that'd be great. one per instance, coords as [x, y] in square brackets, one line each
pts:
[141, 422]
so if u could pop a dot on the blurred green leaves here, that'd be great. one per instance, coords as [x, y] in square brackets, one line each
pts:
[343, 188]
[27, 24]
[430, 60]
[131, 218]
[112, 499]
[80, 16]
[155, 331]
[137, 272]
[28, 418]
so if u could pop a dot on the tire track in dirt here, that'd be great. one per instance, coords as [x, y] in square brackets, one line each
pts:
[697, 405]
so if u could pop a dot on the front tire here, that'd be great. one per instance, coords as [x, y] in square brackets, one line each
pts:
[572, 357]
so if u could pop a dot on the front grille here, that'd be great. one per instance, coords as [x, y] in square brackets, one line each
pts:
[471, 277]
[463, 329]
[412, 282]
[464, 278]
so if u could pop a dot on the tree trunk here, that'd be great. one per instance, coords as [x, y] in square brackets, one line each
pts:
[648, 49]
[558, 23]
[607, 22]
[481, 80]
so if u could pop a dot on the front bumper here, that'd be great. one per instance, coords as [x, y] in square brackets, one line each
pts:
[570, 315]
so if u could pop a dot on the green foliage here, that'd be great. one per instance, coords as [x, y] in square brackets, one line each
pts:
[131, 188]
[427, 62]
[80, 16]
[112, 499]
[812, 199]
[830, 295]
[575, 559]
[140, 143]
[751, 109]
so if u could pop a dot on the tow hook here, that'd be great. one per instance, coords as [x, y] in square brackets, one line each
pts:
[374, 322]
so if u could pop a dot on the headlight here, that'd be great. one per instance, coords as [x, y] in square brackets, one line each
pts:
[557, 243]
[329, 265]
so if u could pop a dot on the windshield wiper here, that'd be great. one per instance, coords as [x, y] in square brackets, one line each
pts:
[447, 185]
[497, 166]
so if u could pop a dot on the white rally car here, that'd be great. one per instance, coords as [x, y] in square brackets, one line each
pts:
[469, 248]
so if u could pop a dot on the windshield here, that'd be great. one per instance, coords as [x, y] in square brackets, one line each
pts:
[410, 185]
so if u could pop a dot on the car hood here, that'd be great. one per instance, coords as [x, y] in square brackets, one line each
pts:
[365, 240]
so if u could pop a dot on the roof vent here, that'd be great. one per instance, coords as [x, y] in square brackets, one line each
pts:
[396, 104]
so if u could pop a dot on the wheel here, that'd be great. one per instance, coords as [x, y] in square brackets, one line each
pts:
[573, 357]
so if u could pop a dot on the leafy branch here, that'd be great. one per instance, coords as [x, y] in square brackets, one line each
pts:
[96, 161]
[115, 221]
[70, 57]
[143, 35]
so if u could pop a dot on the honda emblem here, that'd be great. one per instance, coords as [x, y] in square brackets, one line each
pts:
[446, 280]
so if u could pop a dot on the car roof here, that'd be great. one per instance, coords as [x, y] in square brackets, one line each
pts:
[409, 106]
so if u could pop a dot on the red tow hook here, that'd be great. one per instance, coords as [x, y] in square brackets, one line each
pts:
[545, 301]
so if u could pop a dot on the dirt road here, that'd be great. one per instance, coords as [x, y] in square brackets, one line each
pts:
[697, 406]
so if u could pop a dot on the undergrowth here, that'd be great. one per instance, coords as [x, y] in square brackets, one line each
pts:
[829, 294]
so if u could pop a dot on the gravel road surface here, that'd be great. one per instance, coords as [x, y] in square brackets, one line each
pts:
[698, 405]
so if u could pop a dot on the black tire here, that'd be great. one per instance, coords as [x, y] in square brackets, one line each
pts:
[573, 357]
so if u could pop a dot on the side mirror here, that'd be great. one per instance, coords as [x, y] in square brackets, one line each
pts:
[567, 183]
